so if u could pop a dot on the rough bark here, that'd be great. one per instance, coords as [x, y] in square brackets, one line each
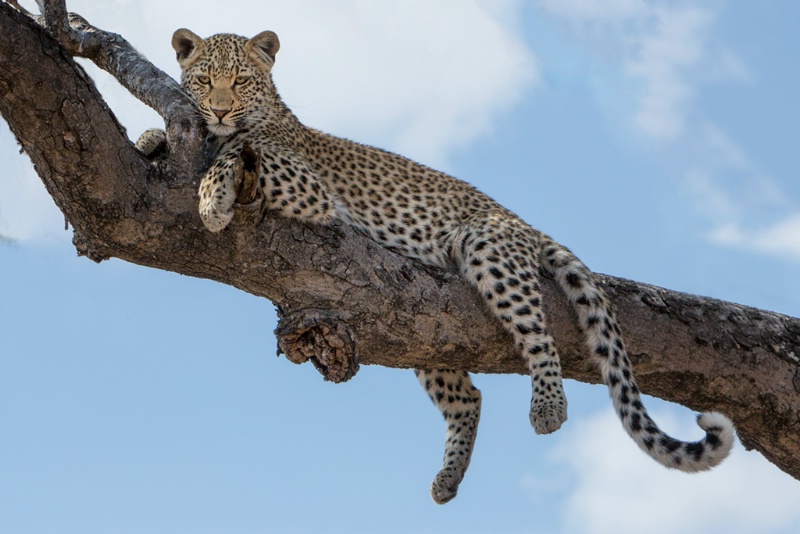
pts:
[344, 300]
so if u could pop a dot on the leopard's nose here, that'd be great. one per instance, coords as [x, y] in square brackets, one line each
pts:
[220, 113]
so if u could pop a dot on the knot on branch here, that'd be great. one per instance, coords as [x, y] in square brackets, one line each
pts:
[322, 337]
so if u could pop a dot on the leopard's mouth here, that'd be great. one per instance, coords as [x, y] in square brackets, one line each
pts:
[220, 128]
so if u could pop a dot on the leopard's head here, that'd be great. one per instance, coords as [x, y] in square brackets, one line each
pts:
[227, 75]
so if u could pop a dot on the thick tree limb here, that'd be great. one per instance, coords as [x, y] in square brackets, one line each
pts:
[338, 292]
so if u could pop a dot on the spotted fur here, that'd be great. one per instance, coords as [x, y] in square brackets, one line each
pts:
[435, 218]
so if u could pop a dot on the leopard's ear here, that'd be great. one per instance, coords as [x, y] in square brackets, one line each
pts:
[262, 48]
[187, 45]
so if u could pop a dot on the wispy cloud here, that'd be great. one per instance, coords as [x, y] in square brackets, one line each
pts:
[661, 63]
[618, 489]
[666, 53]
[781, 238]
[596, 11]
[657, 46]
[26, 210]
[747, 208]
[6, 240]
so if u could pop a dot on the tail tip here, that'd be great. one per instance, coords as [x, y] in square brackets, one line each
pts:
[715, 422]
[720, 433]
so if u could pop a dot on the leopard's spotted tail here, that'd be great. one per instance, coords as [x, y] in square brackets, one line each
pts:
[603, 338]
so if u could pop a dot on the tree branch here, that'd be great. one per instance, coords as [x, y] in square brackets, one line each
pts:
[114, 54]
[338, 292]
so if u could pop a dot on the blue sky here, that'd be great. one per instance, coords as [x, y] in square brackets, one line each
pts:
[656, 139]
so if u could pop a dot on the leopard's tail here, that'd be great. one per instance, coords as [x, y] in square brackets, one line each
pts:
[604, 341]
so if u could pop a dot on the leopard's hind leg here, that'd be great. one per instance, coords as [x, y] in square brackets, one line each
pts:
[460, 404]
[499, 254]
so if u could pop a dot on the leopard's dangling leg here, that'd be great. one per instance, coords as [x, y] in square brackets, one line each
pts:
[460, 404]
[499, 254]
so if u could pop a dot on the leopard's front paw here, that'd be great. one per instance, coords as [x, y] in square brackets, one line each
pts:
[215, 221]
[216, 202]
[213, 218]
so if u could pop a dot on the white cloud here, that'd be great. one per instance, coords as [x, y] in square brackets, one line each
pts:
[661, 63]
[666, 52]
[419, 77]
[749, 210]
[781, 239]
[594, 11]
[26, 210]
[726, 182]
[657, 45]
[618, 489]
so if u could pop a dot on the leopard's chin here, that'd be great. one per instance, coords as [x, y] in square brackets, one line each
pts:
[221, 129]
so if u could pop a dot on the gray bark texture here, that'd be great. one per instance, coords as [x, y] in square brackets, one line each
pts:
[344, 300]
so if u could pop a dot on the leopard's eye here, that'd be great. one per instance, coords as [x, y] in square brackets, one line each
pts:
[202, 78]
[241, 80]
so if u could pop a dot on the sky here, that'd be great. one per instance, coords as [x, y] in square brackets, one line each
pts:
[658, 140]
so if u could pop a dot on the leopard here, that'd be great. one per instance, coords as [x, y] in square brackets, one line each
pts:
[433, 218]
